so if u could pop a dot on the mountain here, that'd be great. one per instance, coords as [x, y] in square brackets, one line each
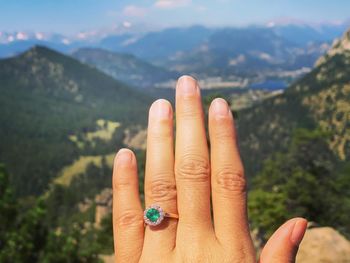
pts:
[17, 47]
[303, 34]
[320, 100]
[234, 50]
[231, 57]
[48, 103]
[170, 42]
[155, 46]
[117, 42]
[125, 67]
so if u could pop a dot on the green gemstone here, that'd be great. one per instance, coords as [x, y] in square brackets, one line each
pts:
[152, 214]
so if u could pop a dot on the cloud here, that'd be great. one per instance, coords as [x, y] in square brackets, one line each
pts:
[39, 35]
[170, 4]
[21, 36]
[127, 24]
[135, 11]
[10, 38]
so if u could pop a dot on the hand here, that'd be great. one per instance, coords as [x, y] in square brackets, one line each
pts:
[182, 184]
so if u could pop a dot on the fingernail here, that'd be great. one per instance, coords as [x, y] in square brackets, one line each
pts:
[187, 85]
[161, 109]
[124, 157]
[298, 231]
[220, 107]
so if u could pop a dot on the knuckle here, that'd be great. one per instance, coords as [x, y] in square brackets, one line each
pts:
[193, 167]
[161, 190]
[231, 180]
[225, 133]
[129, 218]
[189, 112]
[161, 131]
[121, 184]
[241, 254]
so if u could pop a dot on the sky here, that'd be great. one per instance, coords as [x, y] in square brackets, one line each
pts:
[73, 16]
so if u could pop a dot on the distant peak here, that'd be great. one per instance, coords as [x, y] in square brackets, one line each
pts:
[38, 50]
[343, 44]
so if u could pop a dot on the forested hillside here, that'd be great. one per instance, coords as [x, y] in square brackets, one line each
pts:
[47, 101]
[320, 100]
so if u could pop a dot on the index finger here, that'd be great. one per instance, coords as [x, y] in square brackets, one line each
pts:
[128, 226]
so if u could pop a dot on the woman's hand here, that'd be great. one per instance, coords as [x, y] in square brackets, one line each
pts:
[183, 184]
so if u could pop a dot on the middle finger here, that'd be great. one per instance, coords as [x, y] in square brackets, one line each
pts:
[192, 170]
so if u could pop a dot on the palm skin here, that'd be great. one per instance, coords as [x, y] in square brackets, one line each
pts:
[182, 181]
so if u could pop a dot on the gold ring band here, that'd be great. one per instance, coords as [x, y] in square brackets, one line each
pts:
[171, 215]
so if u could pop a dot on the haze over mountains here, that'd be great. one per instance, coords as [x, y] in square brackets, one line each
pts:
[220, 57]
[172, 39]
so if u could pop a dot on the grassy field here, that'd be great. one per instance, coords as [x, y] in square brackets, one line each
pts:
[104, 131]
[79, 166]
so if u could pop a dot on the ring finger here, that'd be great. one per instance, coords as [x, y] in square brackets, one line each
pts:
[160, 185]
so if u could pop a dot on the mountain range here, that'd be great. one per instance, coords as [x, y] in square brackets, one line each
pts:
[158, 44]
[220, 57]
[234, 51]
[165, 44]
[125, 67]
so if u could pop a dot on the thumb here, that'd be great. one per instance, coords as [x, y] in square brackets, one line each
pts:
[283, 245]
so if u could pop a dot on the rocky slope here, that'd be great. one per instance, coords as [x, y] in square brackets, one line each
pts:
[340, 46]
[323, 245]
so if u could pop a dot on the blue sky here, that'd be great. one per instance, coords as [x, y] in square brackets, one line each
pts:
[71, 16]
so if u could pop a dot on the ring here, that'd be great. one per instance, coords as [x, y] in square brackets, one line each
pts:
[154, 215]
